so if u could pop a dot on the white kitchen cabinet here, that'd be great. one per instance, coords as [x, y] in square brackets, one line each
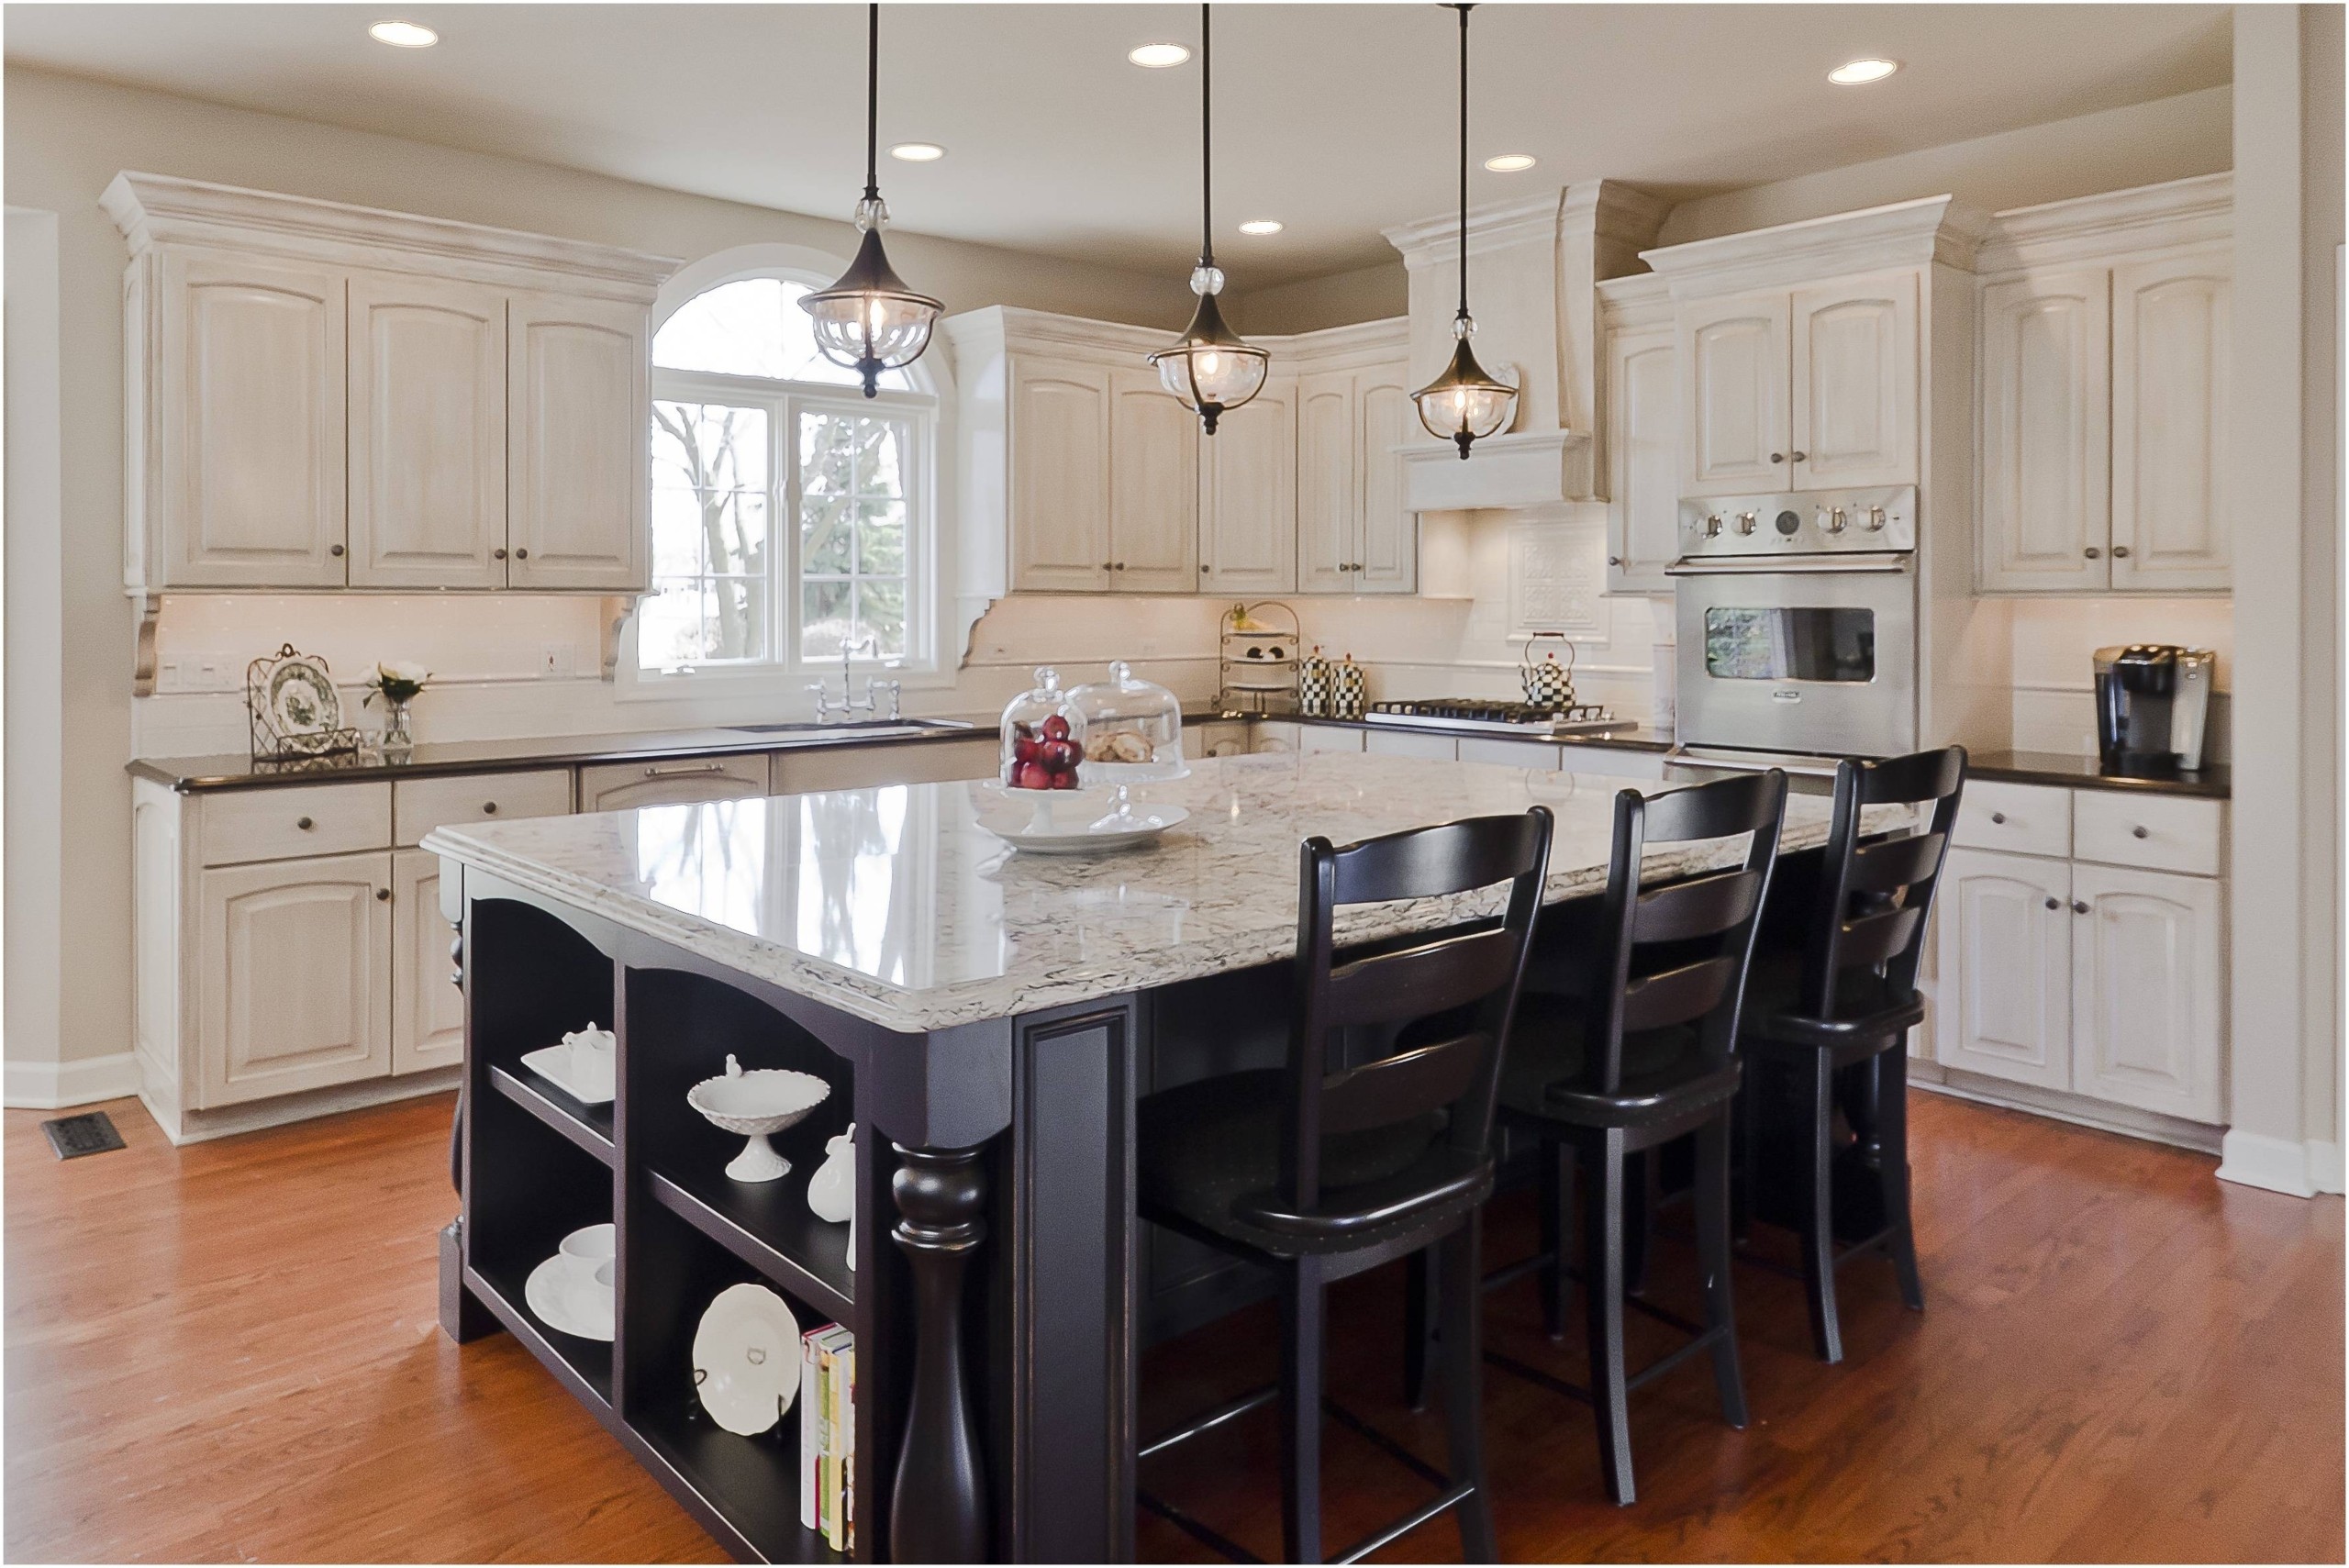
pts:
[1326, 527]
[619, 786]
[295, 976]
[1642, 460]
[1248, 524]
[1059, 476]
[1387, 560]
[2005, 976]
[1274, 735]
[2147, 988]
[1411, 743]
[1614, 761]
[1331, 737]
[1355, 535]
[1215, 738]
[578, 404]
[427, 411]
[240, 416]
[428, 1007]
[1736, 359]
[1154, 487]
[2042, 485]
[862, 767]
[1854, 379]
[2172, 345]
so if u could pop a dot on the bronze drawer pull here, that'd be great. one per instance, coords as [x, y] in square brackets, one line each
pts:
[304, 823]
[2139, 833]
[2000, 816]
[489, 808]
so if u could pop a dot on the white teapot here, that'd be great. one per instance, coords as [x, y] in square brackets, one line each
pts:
[831, 1191]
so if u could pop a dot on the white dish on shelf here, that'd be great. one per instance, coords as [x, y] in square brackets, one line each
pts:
[762, 1101]
[565, 1295]
[746, 1359]
[582, 1066]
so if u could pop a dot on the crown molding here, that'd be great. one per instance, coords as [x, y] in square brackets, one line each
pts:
[1008, 327]
[1435, 241]
[1613, 211]
[2179, 211]
[162, 209]
[1643, 299]
[1904, 234]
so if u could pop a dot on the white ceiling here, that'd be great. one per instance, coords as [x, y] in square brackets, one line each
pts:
[1335, 118]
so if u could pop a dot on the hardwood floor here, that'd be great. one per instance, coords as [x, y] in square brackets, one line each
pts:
[230, 1351]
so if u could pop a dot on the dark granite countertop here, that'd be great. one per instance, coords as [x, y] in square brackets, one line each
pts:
[1626, 737]
[2214, 782]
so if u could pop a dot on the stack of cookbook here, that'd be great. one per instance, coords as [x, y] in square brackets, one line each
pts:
[827, 1435]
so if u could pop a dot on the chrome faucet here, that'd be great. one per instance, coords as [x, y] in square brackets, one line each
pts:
[874, 687]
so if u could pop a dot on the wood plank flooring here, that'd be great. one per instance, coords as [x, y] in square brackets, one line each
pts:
[229, 1352]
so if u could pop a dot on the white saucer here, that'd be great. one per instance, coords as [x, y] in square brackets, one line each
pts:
[563, 1293]
[1092, 838]
[746, 1359]
[553, 1063]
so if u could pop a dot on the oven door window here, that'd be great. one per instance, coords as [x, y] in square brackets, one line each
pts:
[1800, 644]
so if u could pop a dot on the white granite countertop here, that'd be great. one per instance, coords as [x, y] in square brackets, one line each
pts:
[893, 904]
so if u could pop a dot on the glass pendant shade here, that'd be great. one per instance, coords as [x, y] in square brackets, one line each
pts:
[1464, 405]
[869, 320]
[1209, 369]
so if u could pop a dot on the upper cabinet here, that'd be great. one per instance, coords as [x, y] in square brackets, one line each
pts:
[1154, 486]
[2103, 349]
[1641, 394]
[1354, 534]
[1059, 476]
[327, 397]
[1248, 524]
[1812, 389]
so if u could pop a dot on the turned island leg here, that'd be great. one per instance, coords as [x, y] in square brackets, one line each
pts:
[938, 1510]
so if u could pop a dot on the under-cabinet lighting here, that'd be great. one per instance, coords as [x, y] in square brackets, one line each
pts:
[403, 35]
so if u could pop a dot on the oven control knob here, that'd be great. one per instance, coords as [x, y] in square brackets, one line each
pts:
[1832, 521]
[1877, 519]
[1745, 522]
[1713, 526]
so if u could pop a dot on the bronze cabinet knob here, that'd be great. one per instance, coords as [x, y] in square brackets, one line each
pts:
[304, 823]
[1777, 457]
[2092, 553]
[334, 550]
[2078, 907]
[1802, 457]
[498, 554]
[2139, 833]
[2120, 552]
[382, 896]
[523, 553]
[2055, 904]
[1998, 817]
[489, 808]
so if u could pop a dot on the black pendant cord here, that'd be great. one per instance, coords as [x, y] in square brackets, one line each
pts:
[1463, 161]
[1206, 150]
[872, 103]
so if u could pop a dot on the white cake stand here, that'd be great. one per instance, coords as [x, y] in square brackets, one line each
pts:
[756, 1104]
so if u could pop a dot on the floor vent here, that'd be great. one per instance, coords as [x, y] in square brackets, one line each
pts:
[75, 1136]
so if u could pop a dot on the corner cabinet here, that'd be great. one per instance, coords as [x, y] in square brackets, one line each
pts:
[327, 397]
[2103, 349]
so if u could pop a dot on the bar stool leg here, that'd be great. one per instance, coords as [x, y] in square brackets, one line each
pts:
[1644, 1185]
[1741, 1148]
[1304, 1311]
[1892, 1133]
[1603, 1198]
[1819, 1212]
[1461, 1273]
[1419, 1318]
[1711, 1199]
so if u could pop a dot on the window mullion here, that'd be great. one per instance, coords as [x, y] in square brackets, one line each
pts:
[783, 589]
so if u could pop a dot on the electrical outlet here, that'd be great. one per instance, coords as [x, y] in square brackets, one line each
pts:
[554, 661]
[168, 677]
[207, 674]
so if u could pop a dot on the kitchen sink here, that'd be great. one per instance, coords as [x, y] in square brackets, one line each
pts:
[867, 729]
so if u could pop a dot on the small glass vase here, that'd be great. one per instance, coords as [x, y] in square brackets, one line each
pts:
[397, 741]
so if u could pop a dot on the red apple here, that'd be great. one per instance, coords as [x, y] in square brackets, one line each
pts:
[1060, 756]
[1031, 775]
[1026, 748]
[1057, 727]
[1065, 781]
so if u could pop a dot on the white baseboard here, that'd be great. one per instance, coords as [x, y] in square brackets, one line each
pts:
[56, 1085]
[2080, 1110]
[2278, 1165]
[2324, 1166]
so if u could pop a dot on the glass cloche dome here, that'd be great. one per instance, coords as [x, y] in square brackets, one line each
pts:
[1042, 737]
[1132, 728]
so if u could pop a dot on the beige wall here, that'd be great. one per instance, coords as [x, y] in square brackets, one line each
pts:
[1340, 299]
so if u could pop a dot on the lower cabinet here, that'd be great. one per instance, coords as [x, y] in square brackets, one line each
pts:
[2097, 980]
[618, 787]
[862, 767]
[428, 1009]
[295, 976]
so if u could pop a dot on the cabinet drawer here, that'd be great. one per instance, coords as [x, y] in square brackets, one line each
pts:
[2157, 832]
[1408, 743]
[620, 786]
[2029, 819]
[1330, 737]
[1509, 754]
[418, 806]
[279, 824]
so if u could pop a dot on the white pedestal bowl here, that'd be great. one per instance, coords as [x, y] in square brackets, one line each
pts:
[756, 1104]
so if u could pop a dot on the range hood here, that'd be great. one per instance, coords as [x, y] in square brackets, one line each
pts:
[1538, 265]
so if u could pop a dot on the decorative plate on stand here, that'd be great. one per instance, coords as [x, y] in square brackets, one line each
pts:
[294, 708]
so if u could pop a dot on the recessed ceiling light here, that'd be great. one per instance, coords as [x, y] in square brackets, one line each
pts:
[1854, 72]
[1159, 56]
[1509, 163]
[403, 35]
[917, 151]
[1261, 225]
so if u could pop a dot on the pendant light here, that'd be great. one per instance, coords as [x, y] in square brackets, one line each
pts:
[1465, 404]
[869, 320]
[1209, 368]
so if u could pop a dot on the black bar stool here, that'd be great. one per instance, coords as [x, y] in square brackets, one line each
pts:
[1644, 1051]
[1318, 1174]
[1844, 1006]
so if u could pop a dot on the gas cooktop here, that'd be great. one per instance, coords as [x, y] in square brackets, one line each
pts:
[1484, 716]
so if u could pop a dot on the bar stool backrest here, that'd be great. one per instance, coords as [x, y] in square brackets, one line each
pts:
[1677, 954]
[1479, 970]
[1875, 898]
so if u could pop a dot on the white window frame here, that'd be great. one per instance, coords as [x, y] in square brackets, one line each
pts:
[925, 413]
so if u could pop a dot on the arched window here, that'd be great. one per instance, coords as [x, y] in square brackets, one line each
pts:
[789, 512]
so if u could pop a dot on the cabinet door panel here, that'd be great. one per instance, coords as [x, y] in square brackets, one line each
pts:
[1248, 497]
[1734, 429]
[428, 1009]
[427, 433]
[249, 416]
[2041, 440]
[1328, 523]
[1855, 384]
[2146, 990]
[1154, 488]
[865, 767]
[2004, 991]
[1643, 461]
[1387, 560]
[296, 978]
[2171, 345]
[617, 786]
[1060, 465]
[578, 443]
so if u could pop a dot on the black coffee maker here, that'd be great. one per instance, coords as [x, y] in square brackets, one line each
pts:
[2153, 700]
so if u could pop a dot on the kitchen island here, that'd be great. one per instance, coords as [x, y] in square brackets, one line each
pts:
[988, 1019]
